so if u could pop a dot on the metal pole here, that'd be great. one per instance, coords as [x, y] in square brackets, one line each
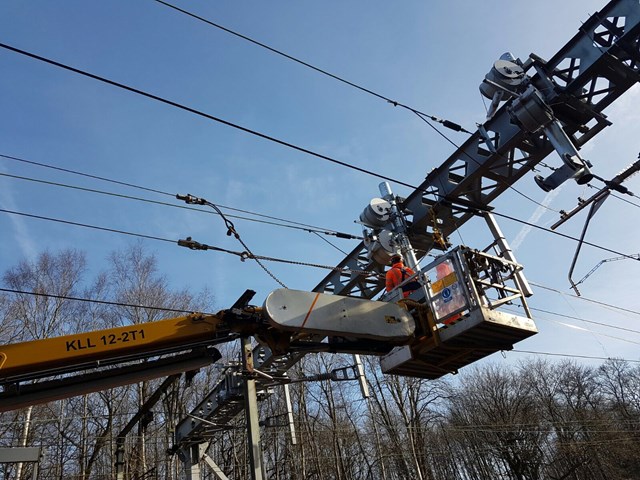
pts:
[290, 420]
[251, 412]
[400, 227]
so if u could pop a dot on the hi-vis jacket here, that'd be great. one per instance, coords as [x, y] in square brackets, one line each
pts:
[397, 274]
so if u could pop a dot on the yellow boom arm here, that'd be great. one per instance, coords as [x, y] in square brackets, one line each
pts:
[92, 347]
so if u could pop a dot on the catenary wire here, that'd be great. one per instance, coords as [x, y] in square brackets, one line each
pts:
[259, 134]
[564, 235]
[231, 231]
[121, 304]
[593, 322]
[236, 126]
[569, 325]
[118, 182]
[330, 243]
[204, 115]
[265, 136]
[570, 355]
[511, 187]
[307, 228]
[597, 302]
[92, 300]
[319, 229]
[242, 255]
[446, 123]
[292, 262]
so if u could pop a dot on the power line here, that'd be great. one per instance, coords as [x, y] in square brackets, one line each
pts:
[293, 262]
[91, 300]
[111, 180]
[564, 235]
[196, 245]
[85, 225]
[511, 187]
[306, 227]
[591, 331]
[588, 357]
[597, 302]
[446, 123]
[231, 231]
[310, 227]
[270, 138]
[585, 320]
[204, 115]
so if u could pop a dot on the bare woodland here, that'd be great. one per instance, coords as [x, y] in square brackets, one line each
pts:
[538, 420]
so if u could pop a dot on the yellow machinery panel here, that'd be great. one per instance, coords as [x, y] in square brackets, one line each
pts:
[58, 352]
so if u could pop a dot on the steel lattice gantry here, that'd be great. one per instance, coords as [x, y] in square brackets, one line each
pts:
[599, 64]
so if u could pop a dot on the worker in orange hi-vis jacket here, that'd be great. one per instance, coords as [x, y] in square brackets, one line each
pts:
[397, 274]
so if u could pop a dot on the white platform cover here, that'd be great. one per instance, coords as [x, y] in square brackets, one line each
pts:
[325, 314]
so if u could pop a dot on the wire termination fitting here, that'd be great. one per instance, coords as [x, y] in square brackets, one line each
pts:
[191, 199]
[192, 244]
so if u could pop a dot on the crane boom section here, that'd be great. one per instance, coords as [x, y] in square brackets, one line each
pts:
[107, 344]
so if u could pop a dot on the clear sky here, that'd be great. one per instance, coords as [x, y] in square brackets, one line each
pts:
[429, 55]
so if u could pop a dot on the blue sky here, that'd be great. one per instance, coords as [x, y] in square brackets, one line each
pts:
[429, 55]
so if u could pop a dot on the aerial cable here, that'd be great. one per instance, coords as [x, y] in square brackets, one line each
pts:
[576, 327]
[239, 127]
[305, 227]
[205, 115]
[600, 247]
[445, 123]
[334, 246]
[570, 355]
[231, 230]
[101, 302]
[77, 224]
[256, 133]
[590, 300]
[511, 187]
[193, 245]
[75, 172]
[237, 253]
[615, 327]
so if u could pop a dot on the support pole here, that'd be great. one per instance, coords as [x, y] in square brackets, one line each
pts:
[292, 425]
[251, 412]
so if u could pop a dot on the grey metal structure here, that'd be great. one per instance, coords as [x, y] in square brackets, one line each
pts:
[557, 106]
[23, 454]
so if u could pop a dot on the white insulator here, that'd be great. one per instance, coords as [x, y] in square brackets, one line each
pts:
[383, 248]
[376, 214]
[504, 73]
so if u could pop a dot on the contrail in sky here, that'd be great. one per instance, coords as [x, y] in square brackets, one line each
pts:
[535, 216]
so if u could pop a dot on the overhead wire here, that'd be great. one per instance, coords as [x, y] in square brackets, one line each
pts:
[446, 123]
[591, 331]
[572, 355]
[511, 187]
[593, 322]
[86, 225]
[423, 116]
[339, 234]
[196, 246]
[267, 137]
[585, 299]
[295, 225]
[203, 114]
[167, 309]
[293, 262]
[231, 231]
[93, 300]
